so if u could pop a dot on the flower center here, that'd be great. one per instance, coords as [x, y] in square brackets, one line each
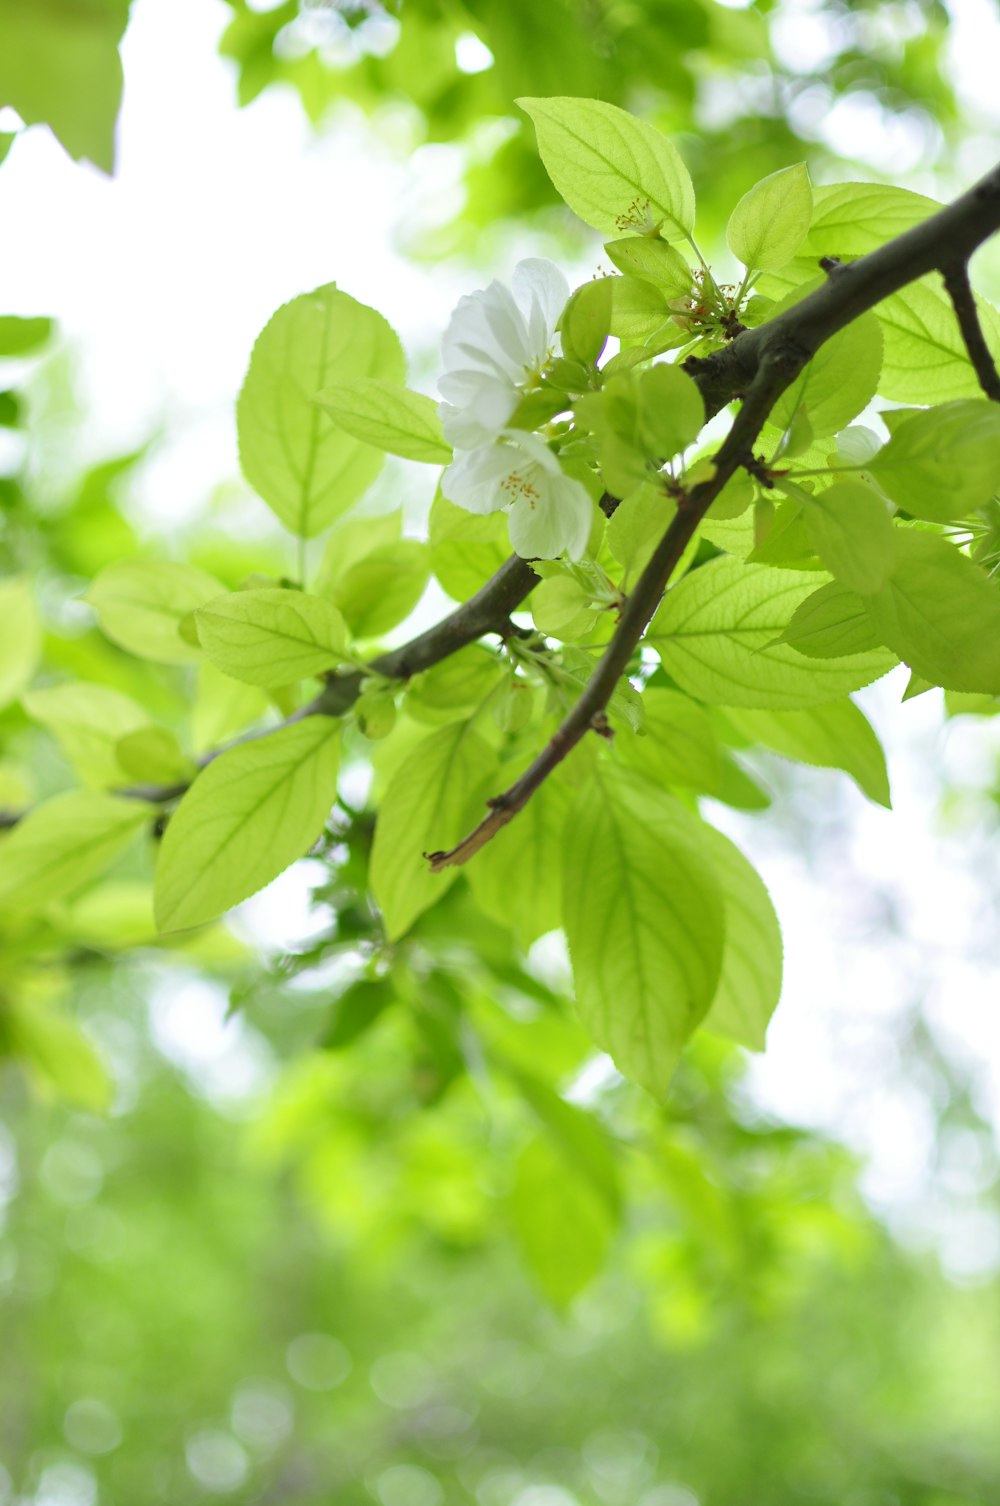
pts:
[518, 487]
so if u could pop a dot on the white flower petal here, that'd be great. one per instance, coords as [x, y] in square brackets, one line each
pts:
[556, 521]
[541, 291]
[475, 478]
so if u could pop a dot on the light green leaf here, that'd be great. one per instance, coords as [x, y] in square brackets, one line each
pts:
[222, 707]
[563, 1228]
[449, 690]
[832, 623]
[389, 417]
[517, 877]
[64, 842]
[671, 410]
[644, 920]
[59, 66]
[925, 357]
[466, 549]
[383, 588]
[638, 310]
[152, 755]
[716, 633]
[586, 321]
[942, 463]
[835, 736]
[87, 720]
[19, 336]
[563, 608]
[940, 613]
[838, 382]
[272, 636]
[850, 219]
[59, 1059]
[750, 981]
[142, 603]
[351, 539]
[770, 222]
[306, 469]
[637, 525]
[614, 171]
[851, 531]
[429, 801]
[20, 638]
[677, 744]
[653, 261]
[248, 816]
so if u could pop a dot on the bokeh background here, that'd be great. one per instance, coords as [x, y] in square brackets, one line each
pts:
[235, 1266]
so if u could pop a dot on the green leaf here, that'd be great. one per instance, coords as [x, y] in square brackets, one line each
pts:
[940, 613]
[677, 744]
[614, 171]
[20, 336]
[356, 1011]
[716, 633]
[832, 623]
[466, 549]
[652, 261]
[222, 707]
[427, 806]
[389, 417]
[835, 736]
[838, 382]
[771, 221]
[58, 1057]
[562, 607]
[87, 720]
[586, 321]
[563, 1228]
[63, 843]
[850, 219]
[271, 637]
[456, 685]
[248, 816]
[925, 358]
[638, 310]
[152, 755]
[644, 920]
[577, 1134]
[517, 877]
[637, 525]
[308, 470]
[851, 531]
[352, 539]
[20, 638]
[59, 66]
[142, 604]
[750, 980]
[671, 410]
[942, 463]
[382, 588]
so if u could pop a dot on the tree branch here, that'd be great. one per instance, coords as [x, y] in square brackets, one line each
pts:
[959, 290]
[764, 362]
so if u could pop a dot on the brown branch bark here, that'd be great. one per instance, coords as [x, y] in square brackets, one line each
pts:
[959, 290]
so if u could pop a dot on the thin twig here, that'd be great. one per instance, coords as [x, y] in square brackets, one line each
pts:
[959, 290]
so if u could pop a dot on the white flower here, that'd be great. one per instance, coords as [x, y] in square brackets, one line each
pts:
[497, 340]
[549, 512]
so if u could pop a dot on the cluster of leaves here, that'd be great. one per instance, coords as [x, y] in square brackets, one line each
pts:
[835, 556]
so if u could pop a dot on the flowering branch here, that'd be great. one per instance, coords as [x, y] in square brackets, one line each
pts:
[761, 362]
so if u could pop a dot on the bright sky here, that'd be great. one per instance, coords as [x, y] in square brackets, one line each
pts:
[160, 281]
